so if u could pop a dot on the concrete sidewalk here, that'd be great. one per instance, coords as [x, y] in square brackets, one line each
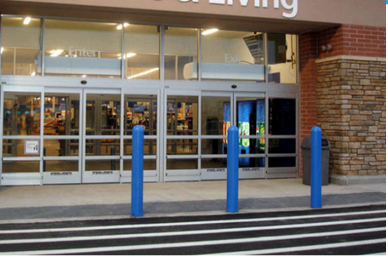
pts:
[59, 202]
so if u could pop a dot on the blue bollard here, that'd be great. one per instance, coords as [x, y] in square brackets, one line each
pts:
[137, 171]
[232, 176]
[316, 170]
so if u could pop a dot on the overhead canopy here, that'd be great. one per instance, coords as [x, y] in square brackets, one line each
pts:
[283, 16]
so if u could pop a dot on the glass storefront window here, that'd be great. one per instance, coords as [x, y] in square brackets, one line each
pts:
[232, 55]
[181, 47]
[141, 52]
[21, 166]
[147, 164]
[61, 147]
[282, 57]
[20, 46]
[60, 166]
[21, 115]
[82, 49]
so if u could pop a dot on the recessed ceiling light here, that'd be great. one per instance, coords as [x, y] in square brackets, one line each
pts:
[26, 20]
[129, 55]
[84, 76]
[33, 73]
[55, 53]
[209, 31]
[143, 73]
[2, 50]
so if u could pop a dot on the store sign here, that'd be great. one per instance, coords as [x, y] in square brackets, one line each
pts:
[292, 8]
[31, 147]
[82, 52]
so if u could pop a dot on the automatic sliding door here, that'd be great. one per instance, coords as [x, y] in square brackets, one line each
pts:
[21, 128]
[141, 109]
[102, 136]
[250, 120]
[61, 140]
[182, 140]
[216, 118]
[282, 136]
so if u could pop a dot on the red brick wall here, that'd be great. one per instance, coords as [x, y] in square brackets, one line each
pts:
[345, 40]
[353, 40]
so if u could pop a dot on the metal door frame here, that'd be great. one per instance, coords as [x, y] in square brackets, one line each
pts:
[100, 176]
[22, 178]
[290, 172]
[66, 177]
[181, 175]
[149, 175]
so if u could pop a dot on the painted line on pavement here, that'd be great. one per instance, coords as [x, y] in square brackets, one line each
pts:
[190, 223]
[308, 248]
[182, 233]
[192, 244]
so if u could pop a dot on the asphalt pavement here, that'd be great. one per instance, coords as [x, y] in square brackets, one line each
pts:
[340, 231]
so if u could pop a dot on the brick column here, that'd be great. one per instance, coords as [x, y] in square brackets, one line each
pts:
[308, 86]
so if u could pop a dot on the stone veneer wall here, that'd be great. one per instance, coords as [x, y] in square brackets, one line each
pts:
[351, 110]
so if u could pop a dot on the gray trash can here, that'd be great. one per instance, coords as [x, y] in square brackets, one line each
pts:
[306, 152]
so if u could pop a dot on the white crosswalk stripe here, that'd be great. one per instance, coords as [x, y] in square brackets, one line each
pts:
[360, 230]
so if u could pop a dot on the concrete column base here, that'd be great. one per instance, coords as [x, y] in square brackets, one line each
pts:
[357, 180]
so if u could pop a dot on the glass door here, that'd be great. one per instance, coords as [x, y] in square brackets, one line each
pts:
[62, 136]
[21, 148]
[282, 135]
[102, 123]
[141, 108]
[216, 118]
[250, 119]
[182, 118]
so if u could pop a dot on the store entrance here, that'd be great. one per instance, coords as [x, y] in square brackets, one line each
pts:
[197, 125]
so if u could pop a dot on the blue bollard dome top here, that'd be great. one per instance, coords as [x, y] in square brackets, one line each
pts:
[233, 128]
[138, 128]
[316, 129]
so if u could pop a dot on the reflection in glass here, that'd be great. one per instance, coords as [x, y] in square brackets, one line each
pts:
[103, 114]
[61, 147]
[102, 165]
[148, 164]
[281, 162]
[139, 112]
[282, 116]
[20, 46]
[233, 55]
[282, 58]
[102, 147]
[149, 147]
[215, 115]
[21, 166]
[21, 114]
[182, 146]
[61, 115]
[141, 52]
[180, 60]
[58, 166]
[182, 115]
[79, 49]
[187, 164]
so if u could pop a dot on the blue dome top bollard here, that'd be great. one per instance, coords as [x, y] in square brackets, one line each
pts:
[137, 171]
[316, 167]
[232, 176]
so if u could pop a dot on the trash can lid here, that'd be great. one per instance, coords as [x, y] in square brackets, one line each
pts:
[306, 143]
